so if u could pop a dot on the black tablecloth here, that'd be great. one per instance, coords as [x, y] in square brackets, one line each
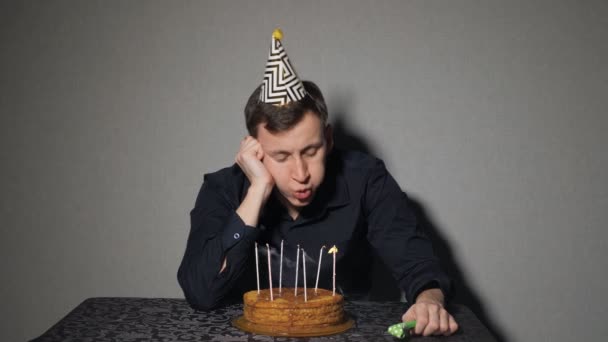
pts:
[162, 319]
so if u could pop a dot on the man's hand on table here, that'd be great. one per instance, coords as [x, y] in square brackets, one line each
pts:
[430, 315]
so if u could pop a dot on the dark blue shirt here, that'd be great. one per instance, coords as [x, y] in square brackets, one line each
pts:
[359, 208]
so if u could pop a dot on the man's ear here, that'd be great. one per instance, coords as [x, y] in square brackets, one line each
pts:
[329, 137]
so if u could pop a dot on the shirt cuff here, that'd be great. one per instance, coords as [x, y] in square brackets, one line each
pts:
[236, 231]
[443, 284]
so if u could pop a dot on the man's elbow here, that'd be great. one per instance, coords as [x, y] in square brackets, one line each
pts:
[197, 296]
[204, 303]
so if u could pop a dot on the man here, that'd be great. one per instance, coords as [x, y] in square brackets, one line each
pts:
[291, 188]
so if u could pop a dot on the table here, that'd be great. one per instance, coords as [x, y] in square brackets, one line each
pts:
[164, 319]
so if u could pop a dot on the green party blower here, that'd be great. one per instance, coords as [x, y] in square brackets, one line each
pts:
[398, 330]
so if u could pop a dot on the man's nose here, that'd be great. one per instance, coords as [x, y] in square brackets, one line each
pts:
[300, 173]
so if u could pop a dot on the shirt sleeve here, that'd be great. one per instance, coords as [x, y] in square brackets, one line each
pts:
[395, 234]
[216, 232]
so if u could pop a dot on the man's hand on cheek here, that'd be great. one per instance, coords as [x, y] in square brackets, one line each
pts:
[430, 315]
[249, 158]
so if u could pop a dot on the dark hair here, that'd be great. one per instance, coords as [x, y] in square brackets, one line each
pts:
[281, 118]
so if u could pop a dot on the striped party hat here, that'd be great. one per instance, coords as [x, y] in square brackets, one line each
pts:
[281, 84]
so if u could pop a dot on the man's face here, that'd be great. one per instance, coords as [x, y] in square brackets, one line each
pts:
[296, 160]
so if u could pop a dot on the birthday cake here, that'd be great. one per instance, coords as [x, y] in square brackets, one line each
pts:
[289, 310]
[320, 313]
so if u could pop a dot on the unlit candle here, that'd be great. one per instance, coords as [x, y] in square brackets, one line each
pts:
[304, 269]
[269, 272]
[295, 290]
[319, 269]
[257, 267]
[281, 270]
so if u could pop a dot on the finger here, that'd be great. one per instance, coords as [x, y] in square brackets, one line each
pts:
[243, 150]
[433, 323]
[249, 141]
[250, 147]
[409, 315]
[444, 324]
[248, 138]
[260, 153]
[453, 325]
[255, 148]
[422, 318]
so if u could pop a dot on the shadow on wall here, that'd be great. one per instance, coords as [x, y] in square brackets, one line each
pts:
[384, 287]
[463, 291]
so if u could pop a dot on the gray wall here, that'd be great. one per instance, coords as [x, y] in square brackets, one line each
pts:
[490, 114]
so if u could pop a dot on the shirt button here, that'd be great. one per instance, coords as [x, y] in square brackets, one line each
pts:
[237, 235]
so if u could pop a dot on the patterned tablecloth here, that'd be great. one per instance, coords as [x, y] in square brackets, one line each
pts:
[162, 319]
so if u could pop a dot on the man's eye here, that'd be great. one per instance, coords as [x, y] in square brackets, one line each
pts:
[311, 152]
[280, 159]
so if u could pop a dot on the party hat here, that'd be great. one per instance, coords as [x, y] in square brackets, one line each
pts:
[281, 83]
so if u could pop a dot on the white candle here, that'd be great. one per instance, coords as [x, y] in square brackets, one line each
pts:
[295, 291]
[334, 279]
[334, 251]
[319, 269]
[269, 272]
[304, 269]
[281, 270]
[257, 266]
